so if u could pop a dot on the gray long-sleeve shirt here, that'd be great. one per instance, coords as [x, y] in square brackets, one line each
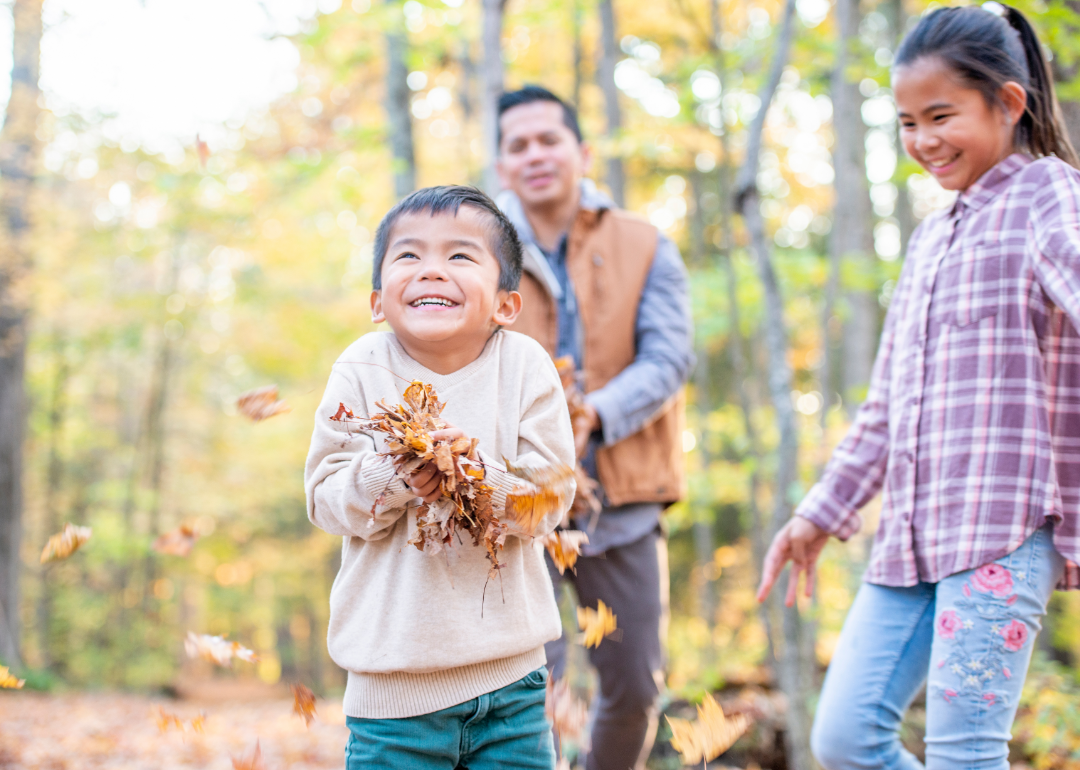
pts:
[662, 363]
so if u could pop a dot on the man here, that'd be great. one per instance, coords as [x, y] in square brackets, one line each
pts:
[608, 289]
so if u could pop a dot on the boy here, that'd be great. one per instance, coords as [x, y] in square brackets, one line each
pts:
[439, 676]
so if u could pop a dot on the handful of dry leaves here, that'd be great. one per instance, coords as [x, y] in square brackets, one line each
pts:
[466, 501]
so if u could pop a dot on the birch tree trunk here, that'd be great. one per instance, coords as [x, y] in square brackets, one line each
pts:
[399, 118]
[492, 84]
[609, 54]
[19, 153]
[579, 52]
[792, 666]
[852, 232]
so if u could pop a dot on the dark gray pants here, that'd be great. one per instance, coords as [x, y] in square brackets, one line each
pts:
[633, 581]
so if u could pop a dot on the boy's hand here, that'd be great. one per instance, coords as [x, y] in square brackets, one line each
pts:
[449, 433]
[426, 481]
[800, 542]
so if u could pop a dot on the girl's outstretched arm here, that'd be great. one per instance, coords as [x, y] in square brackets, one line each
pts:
[800, 542]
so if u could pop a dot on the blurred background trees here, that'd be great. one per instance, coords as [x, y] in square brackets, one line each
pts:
[169, 279]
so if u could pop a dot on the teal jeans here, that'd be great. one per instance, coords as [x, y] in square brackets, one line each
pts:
[501, 729]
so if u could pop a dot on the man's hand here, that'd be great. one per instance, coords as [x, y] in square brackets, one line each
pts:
[800, 542]
[585, 424]
[1071, 578]
[426, 481]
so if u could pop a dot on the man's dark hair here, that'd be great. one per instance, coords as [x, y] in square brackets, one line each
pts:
[502, 237]
[530, 94]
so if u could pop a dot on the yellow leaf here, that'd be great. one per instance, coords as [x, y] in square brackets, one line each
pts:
[8, 680]
[261, 403]
[166, 719]
[304, 703]
[217, 649]
[65, 543]
[596, 624]
[710, 736]
[546, 490]
[564, 545]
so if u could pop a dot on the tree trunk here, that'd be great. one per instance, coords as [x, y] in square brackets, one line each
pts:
[609, 53]
[579, 52]
[492, 82]
[791, 663]
[397, 102]
[19, 153]
[852, 233]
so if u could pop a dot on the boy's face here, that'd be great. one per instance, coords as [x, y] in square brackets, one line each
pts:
[440, 284]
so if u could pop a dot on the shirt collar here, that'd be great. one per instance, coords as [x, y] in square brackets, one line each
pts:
[990, 184]
[592, 199]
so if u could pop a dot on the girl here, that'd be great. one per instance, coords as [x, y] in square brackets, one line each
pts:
[972, 422]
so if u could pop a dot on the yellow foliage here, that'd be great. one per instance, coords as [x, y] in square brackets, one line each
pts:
[710, 736]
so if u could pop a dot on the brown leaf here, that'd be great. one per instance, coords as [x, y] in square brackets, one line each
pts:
[252, 762]
[8, 680]
[596, 624]
[65, 543]
[547, 490]
[710, 736]
[564, 545]
[566, 712]
[261, 403]
[342, 413]
[179, 542]
[304, 702]
[217, 649]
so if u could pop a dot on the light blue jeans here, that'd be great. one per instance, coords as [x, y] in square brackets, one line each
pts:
[501, 729]
[969, 638]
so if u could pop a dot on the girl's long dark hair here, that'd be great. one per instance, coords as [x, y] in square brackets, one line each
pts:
[987, 50]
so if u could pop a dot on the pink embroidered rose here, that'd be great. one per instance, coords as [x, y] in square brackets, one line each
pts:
[948, 623]
[992, 579]
[1015, 635]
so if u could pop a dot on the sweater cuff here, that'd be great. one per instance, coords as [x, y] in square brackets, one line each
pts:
[828, 512]
[501, 481]
[380, 478]
[611, 416]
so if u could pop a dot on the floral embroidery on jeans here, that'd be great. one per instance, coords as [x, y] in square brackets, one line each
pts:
[989, 596]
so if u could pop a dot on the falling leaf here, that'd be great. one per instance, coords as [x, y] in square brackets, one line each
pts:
[596, 624]
[179, 542]
[567, 712]
[65, 543]
[545, 490]
[166, 719]
[587, 498]
[216, 649]
[203, 150]
[261, 403]
[253, 762]
[8, 680]
[304, 702]
[710, 736]
[564, 545]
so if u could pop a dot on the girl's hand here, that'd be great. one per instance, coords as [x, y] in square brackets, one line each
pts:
[800, 542]
[1071, 578]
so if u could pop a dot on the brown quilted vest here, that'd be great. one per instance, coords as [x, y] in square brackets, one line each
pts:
[608, 257]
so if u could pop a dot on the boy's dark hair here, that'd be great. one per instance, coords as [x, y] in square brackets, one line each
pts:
[532, 93]
[987, 50]
[502, 238]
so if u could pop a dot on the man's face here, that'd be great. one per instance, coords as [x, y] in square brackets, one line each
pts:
[540, 159]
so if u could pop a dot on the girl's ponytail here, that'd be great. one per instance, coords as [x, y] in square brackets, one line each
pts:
[1042, 122]
[988, 48]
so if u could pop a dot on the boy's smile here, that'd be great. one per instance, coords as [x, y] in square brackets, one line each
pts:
[440, 288]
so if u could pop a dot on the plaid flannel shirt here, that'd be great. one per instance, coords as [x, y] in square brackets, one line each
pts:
[972, 420]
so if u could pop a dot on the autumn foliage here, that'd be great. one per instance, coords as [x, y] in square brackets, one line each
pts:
[709, 736]
[63, 544]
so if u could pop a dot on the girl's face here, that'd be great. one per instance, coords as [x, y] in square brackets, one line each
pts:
[948, 128]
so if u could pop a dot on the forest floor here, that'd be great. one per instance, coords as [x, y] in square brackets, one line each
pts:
[73, 731]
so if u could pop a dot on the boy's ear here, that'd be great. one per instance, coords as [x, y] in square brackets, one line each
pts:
[507, 308]
[377, 316]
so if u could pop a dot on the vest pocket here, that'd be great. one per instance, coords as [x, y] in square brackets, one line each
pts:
[969, 285]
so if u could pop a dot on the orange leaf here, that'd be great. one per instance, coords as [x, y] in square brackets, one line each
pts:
[304, 703]
[8, 680]
[166, 719]
[179, 542]
[566, 712]
[564, 545]
[710, 736]
[253, 762]
[65, 543]
[216, 649]
[261, 403]
[596, 624]
[547, 490]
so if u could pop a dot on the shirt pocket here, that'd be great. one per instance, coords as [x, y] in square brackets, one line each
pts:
[972, 284]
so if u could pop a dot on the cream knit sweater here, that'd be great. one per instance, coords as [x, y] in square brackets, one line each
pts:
[415, 631]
